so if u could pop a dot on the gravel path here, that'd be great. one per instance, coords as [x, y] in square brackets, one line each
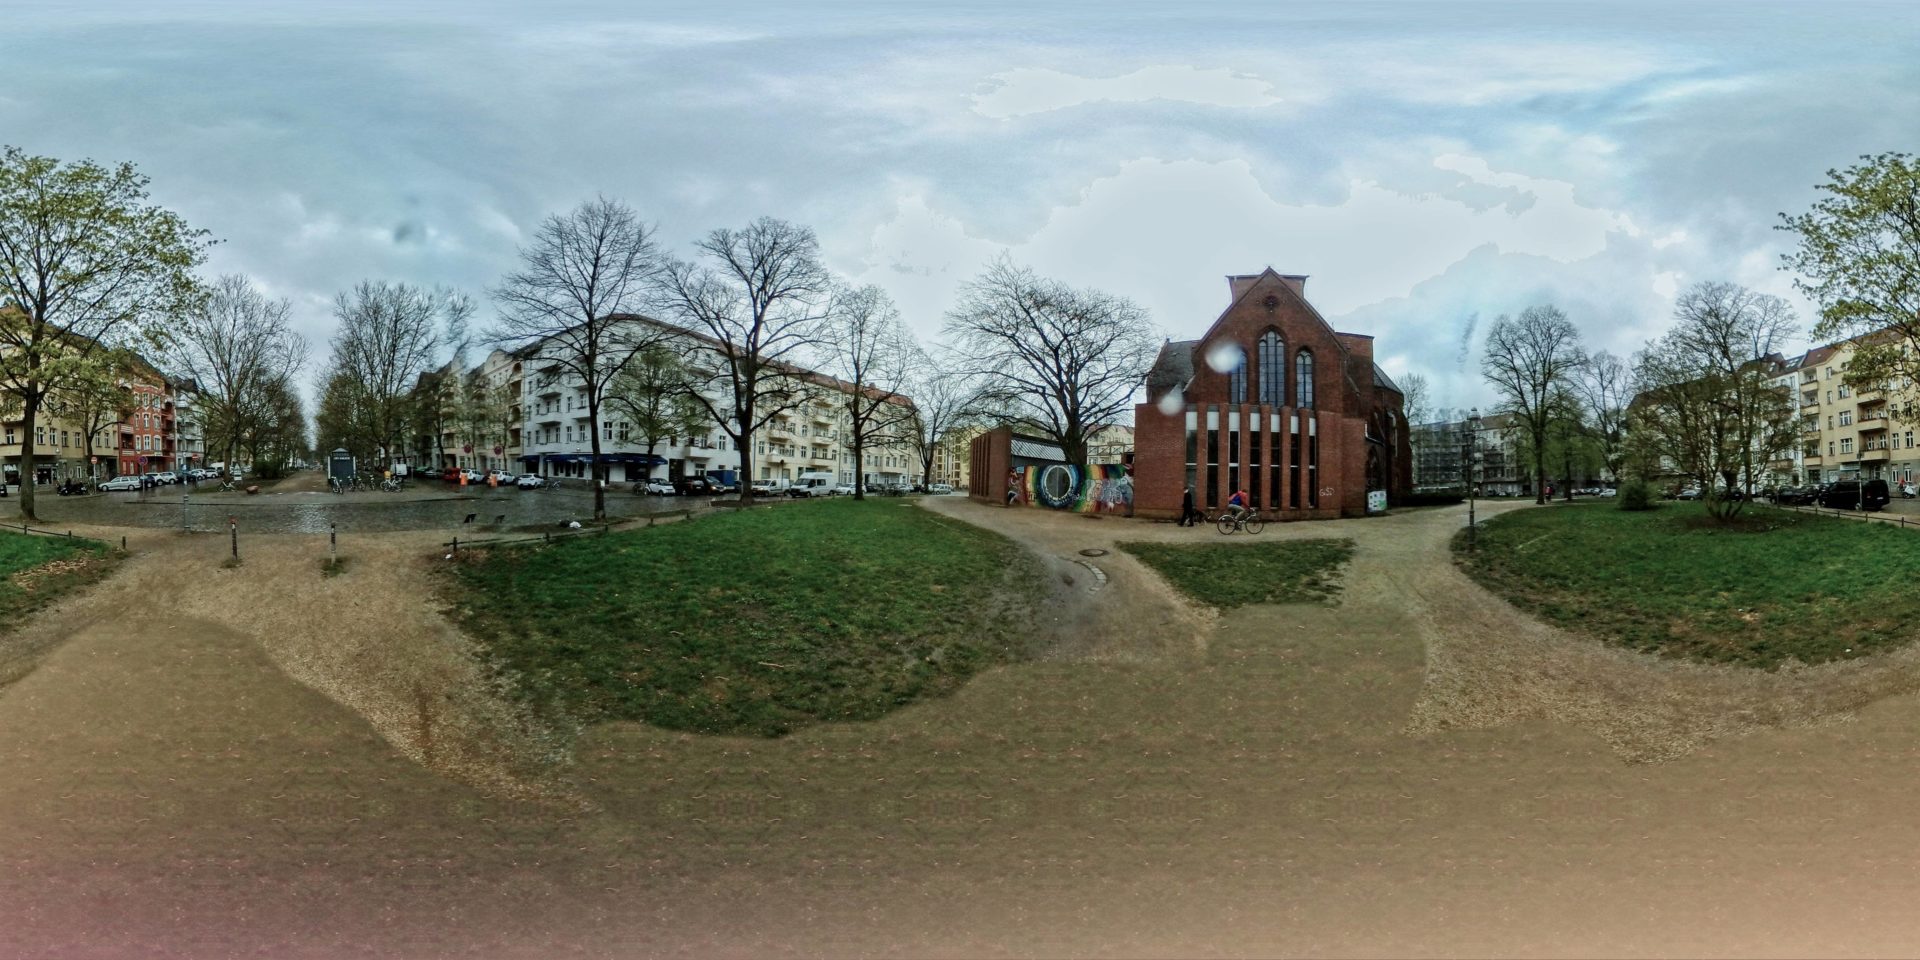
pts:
[206, 762]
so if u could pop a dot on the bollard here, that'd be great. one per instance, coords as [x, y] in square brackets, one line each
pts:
[185, 527]
[456, 544]
[123, 543]
[233, 531]
[333, 544]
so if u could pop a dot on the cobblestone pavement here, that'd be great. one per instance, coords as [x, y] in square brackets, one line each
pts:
[205, 766]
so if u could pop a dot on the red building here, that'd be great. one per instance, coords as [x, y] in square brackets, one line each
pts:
[1273, 399]
[148, 429]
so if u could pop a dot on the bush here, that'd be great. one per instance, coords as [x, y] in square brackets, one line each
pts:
[1636, 495]
[269, 468]
[1437, 498]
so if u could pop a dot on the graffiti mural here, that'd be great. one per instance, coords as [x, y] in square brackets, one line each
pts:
[1103, 488]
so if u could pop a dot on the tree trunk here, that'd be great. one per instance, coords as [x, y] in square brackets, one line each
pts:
[859, 462]
[1539, 466]
[29, 413]
[593, 464]
[744, 420]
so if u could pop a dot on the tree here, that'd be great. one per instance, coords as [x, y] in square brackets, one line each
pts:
[389, 333]
[944, 399]
[763, 297]
[1603, 385]
[97, 395]
[1062, 361]
[654, 394]
[1528, 358]
[238, 346]
[581, 281]
[1705, 399]
[1859, 259]
[86, 265]
[870, 349]
[1417, 398]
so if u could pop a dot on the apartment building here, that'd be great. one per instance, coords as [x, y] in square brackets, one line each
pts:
[555, 436]
[1440, 451]
[1845, 433]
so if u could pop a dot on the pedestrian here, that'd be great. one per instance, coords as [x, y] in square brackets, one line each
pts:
[1189, 517]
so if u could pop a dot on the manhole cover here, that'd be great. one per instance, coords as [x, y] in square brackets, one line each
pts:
[1093, 552]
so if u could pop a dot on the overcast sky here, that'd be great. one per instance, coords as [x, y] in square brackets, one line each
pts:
[1430, 165]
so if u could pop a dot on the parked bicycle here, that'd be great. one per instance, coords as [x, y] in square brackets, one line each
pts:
[1250, 522]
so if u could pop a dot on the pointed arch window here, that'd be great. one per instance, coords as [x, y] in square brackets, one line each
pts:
[1303, 379]
[1273, 369]
[1237, 380]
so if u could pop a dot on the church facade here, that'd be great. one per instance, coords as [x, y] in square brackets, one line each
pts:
[1273, 400]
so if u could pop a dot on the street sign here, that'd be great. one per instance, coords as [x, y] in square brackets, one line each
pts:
[468, 448]
[497, 450]
[143, 460]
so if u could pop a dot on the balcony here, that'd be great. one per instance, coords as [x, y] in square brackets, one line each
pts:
[1876, 455]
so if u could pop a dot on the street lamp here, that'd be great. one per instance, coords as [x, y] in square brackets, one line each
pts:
[1470, 469]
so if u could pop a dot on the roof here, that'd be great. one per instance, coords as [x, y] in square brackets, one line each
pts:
[1380, 379]
[1173, 368]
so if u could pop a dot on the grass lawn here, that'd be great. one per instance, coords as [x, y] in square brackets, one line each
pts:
[1232, 575]
[1776, 586]
[751, 622]
[35, 571]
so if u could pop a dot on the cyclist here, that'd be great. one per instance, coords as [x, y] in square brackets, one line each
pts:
[1237, 505]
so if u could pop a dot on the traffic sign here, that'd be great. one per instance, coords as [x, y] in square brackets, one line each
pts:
[468, 448]
[143, 460]
[498, 450]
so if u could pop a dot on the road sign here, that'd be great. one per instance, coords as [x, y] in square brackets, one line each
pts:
[143, 460]
[468, 448]
[497, 450]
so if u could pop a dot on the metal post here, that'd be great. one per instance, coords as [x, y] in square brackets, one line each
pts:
[184, 525]
[333, 543]
[233, 531]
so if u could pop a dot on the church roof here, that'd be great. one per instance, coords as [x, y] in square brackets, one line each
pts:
[1172, 368]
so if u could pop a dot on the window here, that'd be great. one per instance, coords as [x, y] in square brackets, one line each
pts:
[1237, 381]
[1909, 439]
[1829, 396]
[1846, 418]
[1829, 423]
[1303, 380]
[1846, 444]
[1829, 448]
[1844, 392]
[606, 431]
[1273, 369]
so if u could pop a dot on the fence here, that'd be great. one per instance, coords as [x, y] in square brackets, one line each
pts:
[1901, 520]
[48, 533]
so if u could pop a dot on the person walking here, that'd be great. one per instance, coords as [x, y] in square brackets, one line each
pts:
[1189, 517]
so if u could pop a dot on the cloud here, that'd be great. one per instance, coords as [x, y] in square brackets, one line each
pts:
[1032, 90]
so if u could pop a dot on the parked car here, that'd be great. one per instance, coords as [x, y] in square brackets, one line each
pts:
[1609, 492]
[500, 477]
[529, 481]
[474, 476]
[654, 488]
[814, 484]
[125, 481]
[765, 488]
[694, 487]
[844, 490]
[1855, 495]
[1794, 496]
[939, 489]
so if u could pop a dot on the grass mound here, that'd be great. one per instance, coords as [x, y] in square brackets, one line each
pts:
[1775, 586]
[751, 621]
[35, 571]
[1231, 575]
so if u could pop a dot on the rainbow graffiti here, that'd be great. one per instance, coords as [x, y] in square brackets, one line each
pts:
[1101, 488]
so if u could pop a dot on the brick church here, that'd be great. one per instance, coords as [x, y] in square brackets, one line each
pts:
[1273, 399]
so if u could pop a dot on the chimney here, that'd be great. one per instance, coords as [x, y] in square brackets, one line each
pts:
[1238, 286]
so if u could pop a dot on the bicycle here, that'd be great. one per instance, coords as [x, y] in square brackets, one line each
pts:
[1250, 523]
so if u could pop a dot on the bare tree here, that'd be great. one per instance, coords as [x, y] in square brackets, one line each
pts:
[1604, 387]
[86, 264]
[237, 347]
[1706, 402]
[869, 348]
[1528, 358]
[389, 334]
[1418, 398]
[576, 298]
[1065, 362]
[944, 399]
[763, 297]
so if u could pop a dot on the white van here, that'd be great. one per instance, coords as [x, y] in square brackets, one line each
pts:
[813, 485]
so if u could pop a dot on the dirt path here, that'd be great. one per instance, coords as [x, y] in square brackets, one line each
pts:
[221, 762]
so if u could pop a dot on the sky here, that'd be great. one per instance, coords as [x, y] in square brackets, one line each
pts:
[1429, 165]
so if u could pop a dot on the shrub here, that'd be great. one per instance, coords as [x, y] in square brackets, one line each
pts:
[269, 468]
[1636, 495]
[1434, 498]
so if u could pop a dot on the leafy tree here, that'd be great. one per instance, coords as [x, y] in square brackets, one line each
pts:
[1529, 360]
[87, 264]
[97, 397]
[1859, 259]
[574, 299]
[763, 297]
[1061, 361]
[1706, 403]
[654, 394]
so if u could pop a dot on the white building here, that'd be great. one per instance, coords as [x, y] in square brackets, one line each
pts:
[554, 438]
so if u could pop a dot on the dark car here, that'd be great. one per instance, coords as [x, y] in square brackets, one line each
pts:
[1793, 496]
[1855, 495]
[693, 486]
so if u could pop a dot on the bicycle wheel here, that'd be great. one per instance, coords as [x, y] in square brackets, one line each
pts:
[1255, 524]
[1225, 524]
